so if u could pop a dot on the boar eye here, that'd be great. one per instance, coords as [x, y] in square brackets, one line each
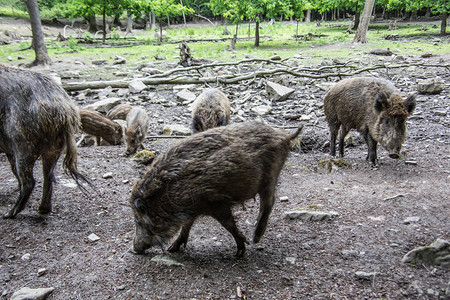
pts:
[133, 141]
[386, 121]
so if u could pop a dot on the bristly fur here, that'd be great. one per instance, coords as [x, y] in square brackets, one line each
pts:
[397, 107]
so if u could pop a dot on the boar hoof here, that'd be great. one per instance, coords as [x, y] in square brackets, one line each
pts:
[394, 155]
[175, 247]
[44, 210]
[240, 252]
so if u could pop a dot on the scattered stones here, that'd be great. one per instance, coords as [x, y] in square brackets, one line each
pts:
[27, 293]
[262, 110]
[107, 175]
[365, 275]
[431, 86]
[410, 220]
[311, 215]
[186, 95]
[103, 106]
[438, 253]
[136, 86]
[166, 260]
[93, 237]
[176, 129]
[278, 92]
[119, 60]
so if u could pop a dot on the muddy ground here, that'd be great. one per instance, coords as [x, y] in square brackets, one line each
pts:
[295, 259]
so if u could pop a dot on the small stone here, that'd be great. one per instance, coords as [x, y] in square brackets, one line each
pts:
[365, 275]
[291, 260]
[411, 162]
[166, 260]
[431, 86]
[99, 62]
[103, 106]
[120, 287]
[176, 129]
[284, 198]
[310, 215]
[186, 96]
[26, 257]
[437, 253]
[278, 92]
[26, 293]
[410, 220]
[144, 157]
[93, 237]
[136, 86]
[107, 175]
[262, 110]
[41, 272]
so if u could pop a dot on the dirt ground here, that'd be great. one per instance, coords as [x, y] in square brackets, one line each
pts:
[295, 259]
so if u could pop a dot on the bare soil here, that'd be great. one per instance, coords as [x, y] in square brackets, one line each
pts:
[295, 259]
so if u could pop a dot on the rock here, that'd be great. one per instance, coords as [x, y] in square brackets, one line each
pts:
[438, 253]
[275, 57]
[291, 260]
[176, 129]
[284, 198]
[144, 157]
[56, 78]
[310, 215]
[365, 275]
[26, 293]
[166, 260]
[278, 92]
[107, 175]
[41, 272]
[385, 52]
[262, 110]
[70, 74]
[99, 62]
[151, 71]
[186, 95]
[93, 237]
[26, 257]
[431, 86]
[119, 60]
[136, 86]
[103, 106]
[332, 164]
[325, 86]
[410, 220]
[440, 113]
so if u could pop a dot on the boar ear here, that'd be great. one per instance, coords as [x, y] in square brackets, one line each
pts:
[197, 124]
[410, 103]
[142, 210]
[381, 102]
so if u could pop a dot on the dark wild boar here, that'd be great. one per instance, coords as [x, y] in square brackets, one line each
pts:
[119, 112]
[96, 124]
[206, 174]
[137, 127]
[37, 119]
[210, 109]
[374, 107]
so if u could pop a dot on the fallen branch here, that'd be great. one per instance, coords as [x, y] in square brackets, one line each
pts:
[232, 79]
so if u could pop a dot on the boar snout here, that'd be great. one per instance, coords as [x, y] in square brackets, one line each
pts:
[394, 155]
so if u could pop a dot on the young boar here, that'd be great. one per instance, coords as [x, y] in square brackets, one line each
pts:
[210, 109]
[137, 127]
[206, 174]
[37, 119]
[374, 107]
[119, 112]
[96, 124]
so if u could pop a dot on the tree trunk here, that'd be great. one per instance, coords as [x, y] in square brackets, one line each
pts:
[129, 22]
[361, 33]
[42, 57]
[160, 31]
[92, 23]
[308, 16]
[296, 32]
[104, 25]
[257, 33]
[444, 22]
[428, 13]
[184, 16]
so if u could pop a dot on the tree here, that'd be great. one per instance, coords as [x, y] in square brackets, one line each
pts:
[163, 9]
[42, 57]
[361, 32]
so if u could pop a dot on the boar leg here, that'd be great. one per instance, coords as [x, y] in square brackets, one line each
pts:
[24, 167]
[334, 129]
[344, 132]
[267, 199]
[225, 217]
[182, 238]
[48, 164]
[13, 167]
[372, 153]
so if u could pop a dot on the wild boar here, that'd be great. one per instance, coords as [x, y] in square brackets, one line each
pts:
[206, 174]
[119, 112]
[96, 124]
[137, 127]
[37, 119]
[374, 107]
[210, 109]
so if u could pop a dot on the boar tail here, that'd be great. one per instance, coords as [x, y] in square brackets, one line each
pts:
[70, 163]
[295, 134]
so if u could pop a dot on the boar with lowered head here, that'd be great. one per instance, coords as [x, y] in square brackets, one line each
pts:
[137, 127]
[206, 174]
[37, 119]
[119, 112]
[210, 109]
[96, 124]
[374, 107]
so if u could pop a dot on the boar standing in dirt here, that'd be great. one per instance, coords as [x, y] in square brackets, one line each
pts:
[119, 112]
[374, 107]
[37, 119]
[206, 174]
[211, 109]
[96, 124]
[137, 127]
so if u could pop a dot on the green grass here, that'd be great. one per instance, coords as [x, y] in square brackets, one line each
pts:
[328, 41]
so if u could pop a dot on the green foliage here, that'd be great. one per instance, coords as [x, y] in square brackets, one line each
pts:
[72, 43]
[190, 31]
[115, 34]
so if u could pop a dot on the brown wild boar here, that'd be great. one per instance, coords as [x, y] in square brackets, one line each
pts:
[96, 124]
[119, 112]
[206, 174]
[137, 127]
[374, 107]
[37, 119]
[210, 109]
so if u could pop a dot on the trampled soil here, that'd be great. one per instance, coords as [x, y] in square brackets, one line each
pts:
[295, 259]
